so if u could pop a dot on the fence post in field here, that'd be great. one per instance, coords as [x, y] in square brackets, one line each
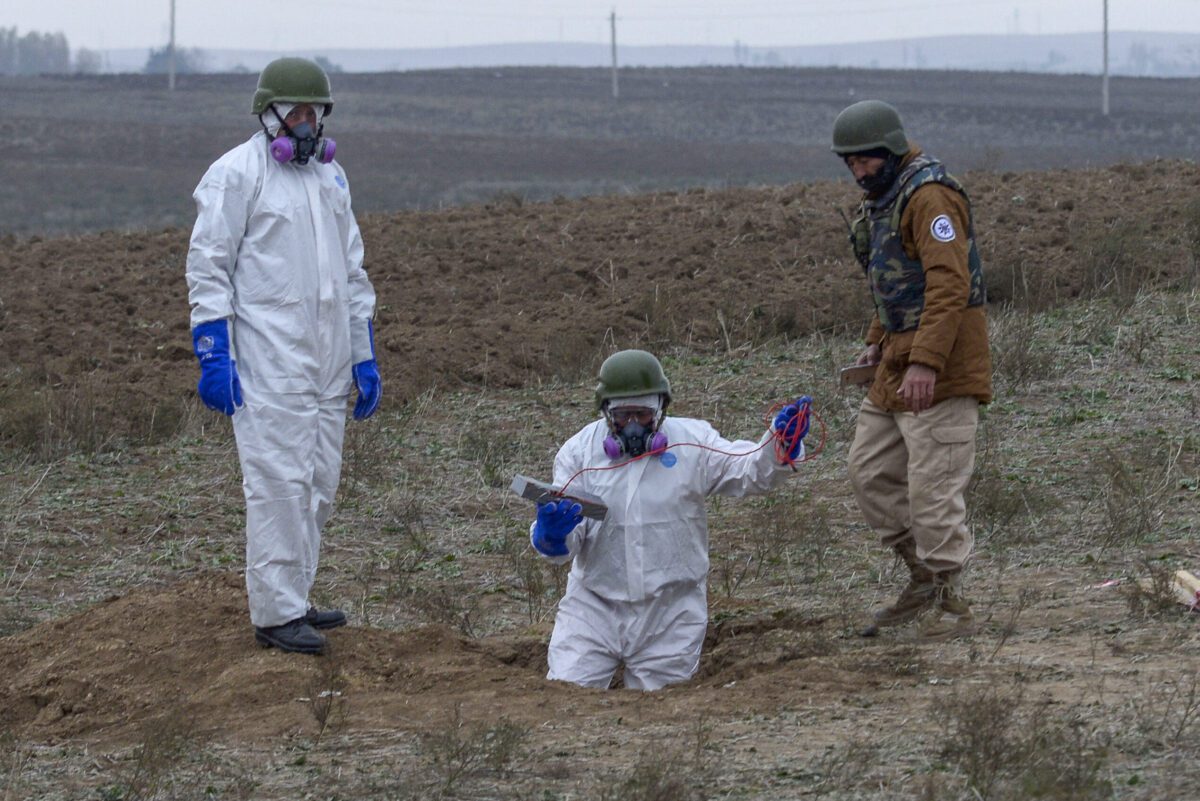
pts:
[612, 18]
[1104, 81]
[171, 52]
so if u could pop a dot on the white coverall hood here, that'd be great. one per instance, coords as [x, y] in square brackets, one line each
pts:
[637, 402]
[273, 123]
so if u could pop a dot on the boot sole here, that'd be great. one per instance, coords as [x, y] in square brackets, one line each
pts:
[954, 632]
[880, 620]
[966, 629]
[266, 641]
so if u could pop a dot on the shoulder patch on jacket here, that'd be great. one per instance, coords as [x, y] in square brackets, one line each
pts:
[942, 229]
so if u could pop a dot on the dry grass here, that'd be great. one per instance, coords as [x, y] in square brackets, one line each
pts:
[1003, 506]
[326, 698]
[86, 416]
[1165, 713]
[1133, 489]
[1114, 261]
[1152, 594]
[1006, 747]
[14, 761]
[1086, 466]
[538, 584]
[150, 772]
[1021, 352]
[652, 780]
[460, 750]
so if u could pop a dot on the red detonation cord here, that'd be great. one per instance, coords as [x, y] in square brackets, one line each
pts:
[783, 444]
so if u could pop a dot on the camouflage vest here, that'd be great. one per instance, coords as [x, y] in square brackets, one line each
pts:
[898, 282]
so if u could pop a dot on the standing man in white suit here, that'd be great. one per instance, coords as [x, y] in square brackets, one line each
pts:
[281, 325]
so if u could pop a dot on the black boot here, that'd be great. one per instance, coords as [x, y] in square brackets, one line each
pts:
[295, 636]
[328, 619]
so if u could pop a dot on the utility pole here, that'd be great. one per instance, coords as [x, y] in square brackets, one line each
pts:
[171, 52]
[1104, 81]
[612, 18]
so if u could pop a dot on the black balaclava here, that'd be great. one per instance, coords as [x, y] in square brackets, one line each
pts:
[875, 185]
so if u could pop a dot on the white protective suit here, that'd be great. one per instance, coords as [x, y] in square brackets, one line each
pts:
[636, 593]
[276, 251]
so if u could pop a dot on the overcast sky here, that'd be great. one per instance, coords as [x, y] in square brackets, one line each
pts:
[310, 25]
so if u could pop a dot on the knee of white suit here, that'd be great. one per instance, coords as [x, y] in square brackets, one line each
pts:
[659, 639]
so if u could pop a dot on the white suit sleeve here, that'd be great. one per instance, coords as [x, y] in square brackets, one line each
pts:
[221, 214]
[361, 293]
[736, 476]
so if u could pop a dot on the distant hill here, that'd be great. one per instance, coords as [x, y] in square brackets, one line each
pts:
[1130, 53]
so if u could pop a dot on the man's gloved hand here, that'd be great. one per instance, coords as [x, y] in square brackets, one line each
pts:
[366, 371]
[792, 423]
[219, 386]
[370, 389]
[555, 520]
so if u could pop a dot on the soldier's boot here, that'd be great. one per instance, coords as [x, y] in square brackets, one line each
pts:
[951, 616]
[917, 596]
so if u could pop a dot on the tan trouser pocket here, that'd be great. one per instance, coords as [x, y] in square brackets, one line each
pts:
[959, 442]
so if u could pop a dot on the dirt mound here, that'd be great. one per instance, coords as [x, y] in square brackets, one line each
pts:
[493, 295]
[186, 650]
[185, 653]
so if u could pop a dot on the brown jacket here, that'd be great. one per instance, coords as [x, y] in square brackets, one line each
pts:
[952, 337]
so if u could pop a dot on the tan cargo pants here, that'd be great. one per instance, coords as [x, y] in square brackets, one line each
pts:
[910, 474]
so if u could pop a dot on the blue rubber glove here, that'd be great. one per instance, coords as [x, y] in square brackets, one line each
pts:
[555, 520]
[368, 382]
[219, 387]
[789, 420]
[370, 389]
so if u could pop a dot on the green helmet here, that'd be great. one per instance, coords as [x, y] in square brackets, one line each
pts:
[628, 373]
[868, 125]
[292, 80]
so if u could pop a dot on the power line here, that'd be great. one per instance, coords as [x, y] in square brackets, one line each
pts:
[817, 9]
[442, 12]
[793, 13]
[799, 10]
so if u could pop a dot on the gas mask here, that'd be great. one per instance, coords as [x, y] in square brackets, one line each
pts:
[301, 143]
[633, 440]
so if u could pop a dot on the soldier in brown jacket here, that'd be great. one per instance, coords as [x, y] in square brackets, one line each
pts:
[914, 446]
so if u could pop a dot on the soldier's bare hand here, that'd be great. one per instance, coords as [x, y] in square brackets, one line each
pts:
[871, 355]
[917, 387]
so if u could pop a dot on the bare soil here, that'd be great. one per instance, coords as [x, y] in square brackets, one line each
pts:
[500, 294]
